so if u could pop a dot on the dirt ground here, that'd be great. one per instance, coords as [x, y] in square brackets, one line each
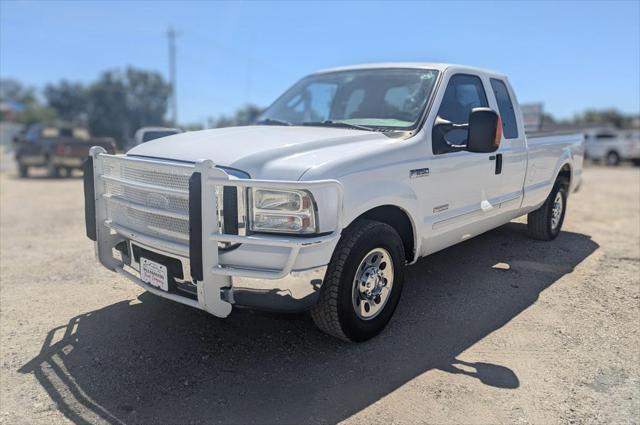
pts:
[553, 339]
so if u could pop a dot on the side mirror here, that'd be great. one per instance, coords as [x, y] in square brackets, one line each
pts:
[485, 131]
[450, 134]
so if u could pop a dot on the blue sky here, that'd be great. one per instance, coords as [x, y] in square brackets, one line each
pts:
[569, 55]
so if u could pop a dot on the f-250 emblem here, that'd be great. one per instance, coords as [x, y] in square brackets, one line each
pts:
[419, 172]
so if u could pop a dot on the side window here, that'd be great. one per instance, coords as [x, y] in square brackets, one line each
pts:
[313, 104]
[605, 136]
[463, 93]
[32, 134]
[505, 106]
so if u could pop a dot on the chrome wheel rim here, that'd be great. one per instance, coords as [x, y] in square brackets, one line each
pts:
[556, 211]
[372, 283]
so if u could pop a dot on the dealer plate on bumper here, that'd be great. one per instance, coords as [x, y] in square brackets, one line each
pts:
[155, 274]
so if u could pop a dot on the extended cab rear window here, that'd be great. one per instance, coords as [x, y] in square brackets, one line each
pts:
[507, 114]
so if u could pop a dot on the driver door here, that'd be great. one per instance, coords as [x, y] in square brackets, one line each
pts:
[461, 182]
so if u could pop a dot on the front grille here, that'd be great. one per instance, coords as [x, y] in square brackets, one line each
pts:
[152, 198]
[150, 223]
[144, 197]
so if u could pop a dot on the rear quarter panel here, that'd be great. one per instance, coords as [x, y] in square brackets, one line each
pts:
[546, 157]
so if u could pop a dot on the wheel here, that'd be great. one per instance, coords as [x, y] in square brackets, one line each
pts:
[23, 170]
[636, 162]
[363, 282]
[545, 223]
[613, 158]
[53, 170]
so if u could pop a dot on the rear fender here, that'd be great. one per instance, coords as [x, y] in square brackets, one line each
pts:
[566, 159]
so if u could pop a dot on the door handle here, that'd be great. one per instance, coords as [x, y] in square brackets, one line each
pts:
[498, 159]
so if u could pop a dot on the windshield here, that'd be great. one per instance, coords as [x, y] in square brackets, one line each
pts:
[375, 99]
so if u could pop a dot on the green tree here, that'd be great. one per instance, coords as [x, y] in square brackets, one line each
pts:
[15, 91]
[604, 117]
[147, 98]
[244, 116]
[35, 113]
[107, 107]
[69, 99]
[548, 118]
[120, 103]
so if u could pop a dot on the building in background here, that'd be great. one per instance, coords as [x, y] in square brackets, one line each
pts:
[532, 116]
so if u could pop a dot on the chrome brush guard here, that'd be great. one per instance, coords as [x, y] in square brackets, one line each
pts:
[178, 208]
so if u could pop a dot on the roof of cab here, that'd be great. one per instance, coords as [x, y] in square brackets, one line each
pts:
[415, 65]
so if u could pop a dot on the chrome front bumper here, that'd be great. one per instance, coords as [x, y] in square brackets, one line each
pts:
[295, 292]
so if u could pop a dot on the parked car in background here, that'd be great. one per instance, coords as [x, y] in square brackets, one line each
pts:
[349, 176]
[146, 134]
[633, 138]
[613, 146]
[59, 149]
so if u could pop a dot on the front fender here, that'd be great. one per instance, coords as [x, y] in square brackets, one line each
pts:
[360, 199]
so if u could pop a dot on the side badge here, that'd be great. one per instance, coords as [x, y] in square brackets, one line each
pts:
[419, 172]
[440, 208]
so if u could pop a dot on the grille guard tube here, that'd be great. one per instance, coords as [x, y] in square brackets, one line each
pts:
[89, 199]
[195, 225]
[212, 279]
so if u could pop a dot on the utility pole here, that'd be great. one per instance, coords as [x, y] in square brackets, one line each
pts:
[171, 35]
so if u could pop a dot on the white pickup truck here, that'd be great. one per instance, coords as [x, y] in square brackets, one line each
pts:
[348, 177]
[613, 146]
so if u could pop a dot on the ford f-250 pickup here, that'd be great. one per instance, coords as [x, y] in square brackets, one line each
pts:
[348, 177]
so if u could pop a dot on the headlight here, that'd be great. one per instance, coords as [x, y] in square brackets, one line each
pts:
[282, 211]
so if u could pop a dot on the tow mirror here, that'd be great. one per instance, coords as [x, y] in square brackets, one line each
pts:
[485, 131]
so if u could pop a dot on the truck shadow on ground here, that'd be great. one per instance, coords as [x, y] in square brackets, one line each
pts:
[153, 361]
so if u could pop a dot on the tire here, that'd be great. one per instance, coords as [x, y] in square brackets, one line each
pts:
[636, 162]
[23, 171]
[542, 224]
[53, 171]
[612, 158]
[342, 310]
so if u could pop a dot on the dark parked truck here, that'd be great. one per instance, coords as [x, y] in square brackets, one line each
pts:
[56, 148]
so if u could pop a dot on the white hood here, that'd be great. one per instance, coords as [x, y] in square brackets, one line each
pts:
[265, 152]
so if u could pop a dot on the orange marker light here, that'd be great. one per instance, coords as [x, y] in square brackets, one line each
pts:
[496, 141]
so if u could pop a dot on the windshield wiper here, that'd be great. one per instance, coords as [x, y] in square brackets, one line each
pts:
[271, 121]
[330, 123]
